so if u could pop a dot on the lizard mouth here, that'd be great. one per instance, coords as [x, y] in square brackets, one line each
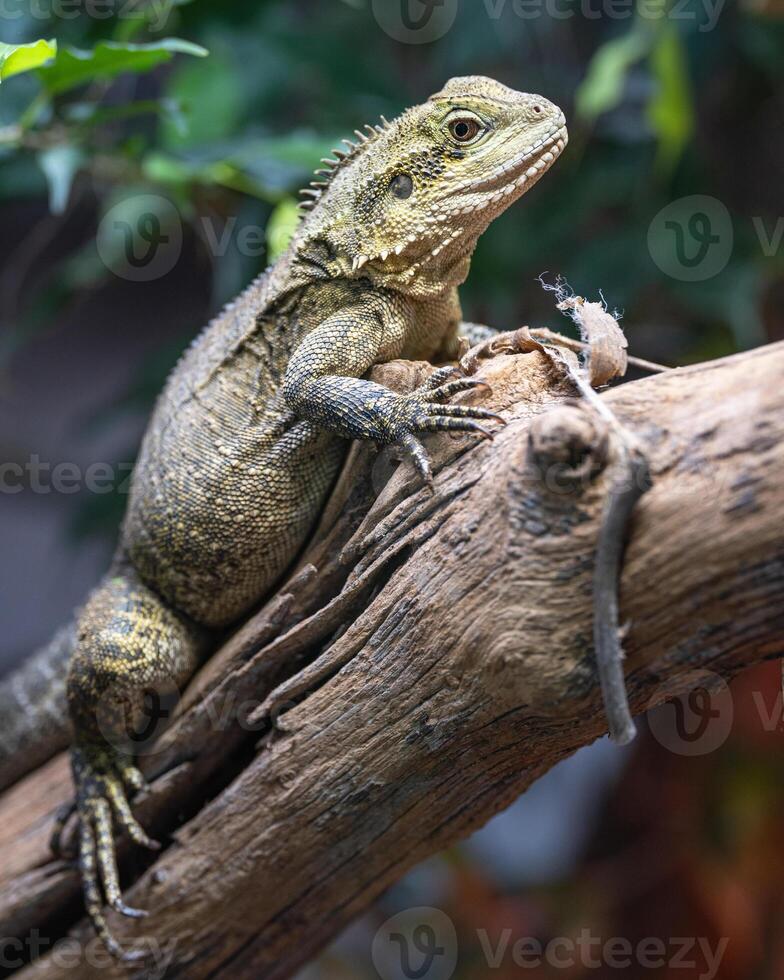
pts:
[528, 165]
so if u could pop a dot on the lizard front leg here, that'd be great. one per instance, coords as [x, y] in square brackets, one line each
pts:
[128, 641]
[323, 384]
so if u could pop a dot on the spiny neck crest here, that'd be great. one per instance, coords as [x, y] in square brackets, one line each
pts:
[339, 160]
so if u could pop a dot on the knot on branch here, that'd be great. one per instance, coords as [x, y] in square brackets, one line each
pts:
[569, 443]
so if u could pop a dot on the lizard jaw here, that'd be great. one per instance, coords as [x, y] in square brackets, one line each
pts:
[539, 157]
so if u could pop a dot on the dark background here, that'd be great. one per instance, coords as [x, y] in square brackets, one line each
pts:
[664, 101]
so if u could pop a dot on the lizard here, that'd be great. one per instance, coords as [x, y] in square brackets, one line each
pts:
[252, 427]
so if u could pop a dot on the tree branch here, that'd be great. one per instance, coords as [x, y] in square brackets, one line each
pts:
[448, 662]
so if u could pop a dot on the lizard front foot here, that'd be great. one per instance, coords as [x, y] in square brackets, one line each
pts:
[103, 778]
[426, 410]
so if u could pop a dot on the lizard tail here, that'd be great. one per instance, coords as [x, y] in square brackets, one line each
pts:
[34, 721]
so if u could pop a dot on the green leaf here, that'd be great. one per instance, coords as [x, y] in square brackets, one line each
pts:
[281, 227]
[670, 111]
[16, 58]
[602, 87]
[74, 66]
[60, 165]
[213, 98]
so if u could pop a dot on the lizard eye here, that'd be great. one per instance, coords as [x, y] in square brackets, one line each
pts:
[402, 186]
[465, 129]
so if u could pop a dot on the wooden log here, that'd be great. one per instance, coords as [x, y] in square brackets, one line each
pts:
[445, 664]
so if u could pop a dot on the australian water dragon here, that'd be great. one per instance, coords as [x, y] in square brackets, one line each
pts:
[251, 429]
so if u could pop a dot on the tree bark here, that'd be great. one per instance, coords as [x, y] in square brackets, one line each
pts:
[435, 671]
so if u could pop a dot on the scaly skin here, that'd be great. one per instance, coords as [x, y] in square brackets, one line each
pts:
[33, 710]
[251, 429]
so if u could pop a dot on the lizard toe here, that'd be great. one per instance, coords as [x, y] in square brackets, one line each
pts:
[126, 820]
[437, 423]
[439, 377]
[132, 776]
[464, 412]
[91, 887]
[445, 391]
[414, 450]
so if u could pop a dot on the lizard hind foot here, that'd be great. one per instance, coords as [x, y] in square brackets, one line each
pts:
[101, 776]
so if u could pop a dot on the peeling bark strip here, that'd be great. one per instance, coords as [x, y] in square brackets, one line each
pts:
[464, 632]
[632, 481]
[605, 347]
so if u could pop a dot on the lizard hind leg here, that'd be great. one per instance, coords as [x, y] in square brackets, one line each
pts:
[130, 645]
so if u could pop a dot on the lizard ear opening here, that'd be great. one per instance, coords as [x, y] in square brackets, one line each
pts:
[401, 186]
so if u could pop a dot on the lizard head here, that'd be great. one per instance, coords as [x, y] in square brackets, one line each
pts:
[413, 196]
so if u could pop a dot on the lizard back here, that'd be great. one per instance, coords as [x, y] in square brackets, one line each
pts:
[228, 482]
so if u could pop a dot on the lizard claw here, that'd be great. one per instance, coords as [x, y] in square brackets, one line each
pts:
[440, 376]
[128, 910]
[61, 848]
